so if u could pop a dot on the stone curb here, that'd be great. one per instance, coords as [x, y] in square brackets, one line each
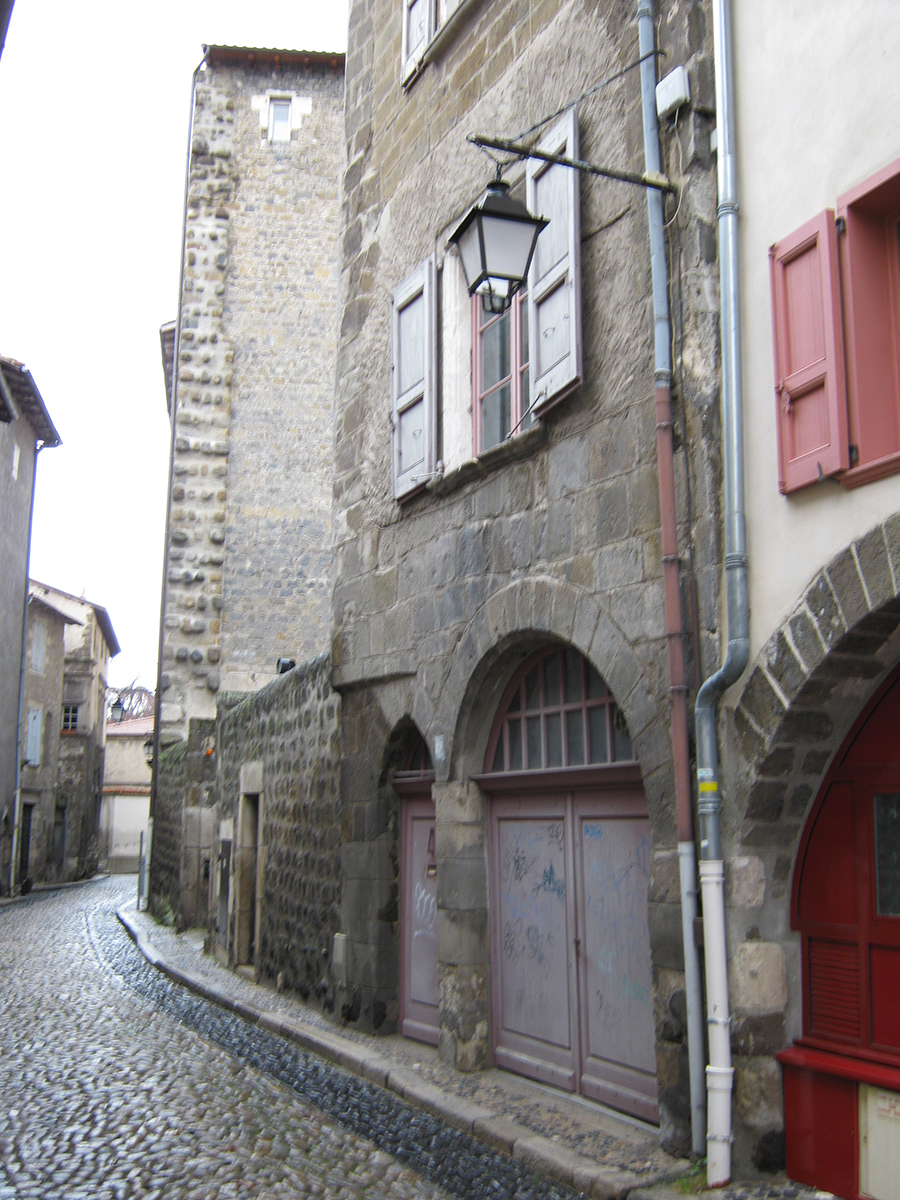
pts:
[493, 1129]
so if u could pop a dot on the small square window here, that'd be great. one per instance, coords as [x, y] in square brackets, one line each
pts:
[279, 120]
[69, 718]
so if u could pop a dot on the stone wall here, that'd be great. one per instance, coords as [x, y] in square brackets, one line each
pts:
[249, 517]
[286, 736]
[553, 535]
[183, 810]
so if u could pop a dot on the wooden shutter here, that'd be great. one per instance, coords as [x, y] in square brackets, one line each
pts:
[554, 281]
[810, 386]
[33, 737]
[413, 381]
[418, 30]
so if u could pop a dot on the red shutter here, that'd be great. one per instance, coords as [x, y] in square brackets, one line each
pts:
[810, 385]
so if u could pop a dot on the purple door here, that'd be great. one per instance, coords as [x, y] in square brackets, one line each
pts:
[418, 957]
[618, 1038]
[571, 948]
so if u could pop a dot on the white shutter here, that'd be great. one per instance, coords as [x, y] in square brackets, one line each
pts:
[554, 280]
[413, 324]
[33, 737]
[38, 647]
[418, 30]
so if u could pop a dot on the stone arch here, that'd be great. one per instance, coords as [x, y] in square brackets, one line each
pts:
[510, 624]
[809, 684]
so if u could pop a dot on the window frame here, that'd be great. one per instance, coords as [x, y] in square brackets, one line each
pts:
[514, 710]
[439, 16]
[275, 104]
[520, 417]
[848, 310]
[68, 720]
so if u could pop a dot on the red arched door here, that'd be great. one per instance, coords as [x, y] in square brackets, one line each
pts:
[842, 1077]
[569, 847]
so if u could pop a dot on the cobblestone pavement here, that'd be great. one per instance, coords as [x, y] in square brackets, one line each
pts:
[117, 1083]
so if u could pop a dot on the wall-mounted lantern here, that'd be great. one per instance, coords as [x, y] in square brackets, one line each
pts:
[496, 241]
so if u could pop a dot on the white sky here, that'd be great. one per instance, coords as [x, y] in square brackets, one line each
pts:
[94, 109]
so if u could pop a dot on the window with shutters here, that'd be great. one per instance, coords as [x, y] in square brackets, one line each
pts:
[498, 374]
[34, 736]
[836, 331]
[423, 20]
[38, 646]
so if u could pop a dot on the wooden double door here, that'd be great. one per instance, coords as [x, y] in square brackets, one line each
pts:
[573, 1002]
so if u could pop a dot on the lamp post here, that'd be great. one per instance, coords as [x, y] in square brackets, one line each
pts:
[496, 240]
[117, 710]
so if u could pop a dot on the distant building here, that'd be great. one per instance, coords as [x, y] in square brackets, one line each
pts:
[249, 368]
[70, 641]
[25, 429]
[125, 807]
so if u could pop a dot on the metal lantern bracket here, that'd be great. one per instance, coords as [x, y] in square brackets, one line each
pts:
[645, 179]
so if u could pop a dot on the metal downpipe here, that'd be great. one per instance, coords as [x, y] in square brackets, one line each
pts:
[720, 1072]
[672, 582]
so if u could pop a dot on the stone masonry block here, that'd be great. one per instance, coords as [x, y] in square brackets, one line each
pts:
[766, 800]
[822, 605]
[891, 533]
[459, 803]
[843, 575]
[806, 640]
[463, 938]
[462, 884]
[758, 978]
[745, 882]
[459, 841]
[871, 554]
[761, 702]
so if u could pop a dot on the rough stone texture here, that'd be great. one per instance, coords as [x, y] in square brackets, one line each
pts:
[185, 786]
[553, 536]
[43, 683]
[282, 743]
[247, 579]
[757, 978]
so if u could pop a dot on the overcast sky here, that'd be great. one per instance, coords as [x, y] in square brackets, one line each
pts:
[94, 109]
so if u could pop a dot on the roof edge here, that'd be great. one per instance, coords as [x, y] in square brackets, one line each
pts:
[256, 56]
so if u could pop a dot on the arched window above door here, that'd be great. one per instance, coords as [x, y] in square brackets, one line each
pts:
[557, 712]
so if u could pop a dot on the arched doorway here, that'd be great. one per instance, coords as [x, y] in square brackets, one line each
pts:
[842, 1077]
[418, 900]
[569, 854]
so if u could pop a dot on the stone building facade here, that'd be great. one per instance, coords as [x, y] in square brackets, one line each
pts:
[489, 565]
[70, 642]
[126, 794]
[250, 376]
[42, 850]
[25, 429]
[813, 777]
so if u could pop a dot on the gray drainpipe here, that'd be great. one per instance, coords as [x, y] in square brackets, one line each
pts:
[720, 1071]
[687, 856]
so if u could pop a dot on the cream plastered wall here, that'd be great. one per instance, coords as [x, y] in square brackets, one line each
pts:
[817, 99]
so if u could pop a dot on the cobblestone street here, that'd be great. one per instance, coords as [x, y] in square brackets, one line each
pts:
[111, 1093]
